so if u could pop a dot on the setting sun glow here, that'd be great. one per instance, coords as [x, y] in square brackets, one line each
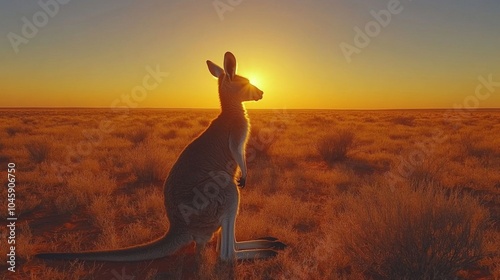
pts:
[301, 54]
[255, 80]
[367, 133]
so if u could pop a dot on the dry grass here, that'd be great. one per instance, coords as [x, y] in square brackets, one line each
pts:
[171, 134]
[17, 129]
[427, 173]
[474, 146]
[39, 149]
[404, 120]
[422, 234]
[306, 185]
[149, 163]
[336, 146]
[84, 186]
[139, 135]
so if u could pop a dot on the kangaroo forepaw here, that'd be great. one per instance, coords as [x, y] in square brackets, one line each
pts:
[242, 182]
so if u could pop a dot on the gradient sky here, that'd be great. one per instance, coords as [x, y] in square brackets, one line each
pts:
[92, 52]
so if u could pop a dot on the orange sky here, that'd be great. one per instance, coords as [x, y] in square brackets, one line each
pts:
[93, 54]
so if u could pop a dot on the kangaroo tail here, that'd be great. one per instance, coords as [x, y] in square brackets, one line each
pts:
[164, 246]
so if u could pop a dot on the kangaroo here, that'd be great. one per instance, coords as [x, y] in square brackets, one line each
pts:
[200, 192]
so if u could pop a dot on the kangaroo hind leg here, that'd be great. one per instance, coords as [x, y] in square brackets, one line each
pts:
[229, 249]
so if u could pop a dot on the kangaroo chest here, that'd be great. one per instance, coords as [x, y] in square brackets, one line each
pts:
[242, 134]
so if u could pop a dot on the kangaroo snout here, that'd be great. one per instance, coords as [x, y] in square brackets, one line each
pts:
[259, 95]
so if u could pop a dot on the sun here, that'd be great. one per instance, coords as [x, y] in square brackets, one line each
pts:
[255, 80]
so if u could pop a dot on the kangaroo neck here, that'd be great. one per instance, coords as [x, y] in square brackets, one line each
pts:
[233, 111]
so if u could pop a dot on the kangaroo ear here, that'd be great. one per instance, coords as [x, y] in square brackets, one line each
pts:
[215, 69]
[230, 65]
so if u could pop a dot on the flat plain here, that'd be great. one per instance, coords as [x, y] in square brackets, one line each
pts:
[411, 194]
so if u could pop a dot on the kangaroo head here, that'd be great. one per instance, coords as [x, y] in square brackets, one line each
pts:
[233, 88]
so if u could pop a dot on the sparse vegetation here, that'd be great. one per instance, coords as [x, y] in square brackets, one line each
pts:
[422, 234]
[85, 186]
[13, 130]
[171, 134]
[149, 164]
[425, 174]
[335, 147]
[473, 146]
[138, 135]
[260, 142]
[204, 122]
[112, 195]
[404, 120]
[39, 149]
[181, 123]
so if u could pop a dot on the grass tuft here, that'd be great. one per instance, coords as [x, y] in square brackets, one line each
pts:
[139, 135]
[39, 150]
[402, 120]
[171, 134]
[422, 234]
[13, 130]
[473, 146]
[149, 163]
[336, 146]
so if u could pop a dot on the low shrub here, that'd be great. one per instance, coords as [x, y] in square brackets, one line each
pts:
[405, 234]
[39, 149]
[149, 163]
[336, 146]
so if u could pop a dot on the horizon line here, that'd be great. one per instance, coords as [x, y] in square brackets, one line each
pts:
[252, 109]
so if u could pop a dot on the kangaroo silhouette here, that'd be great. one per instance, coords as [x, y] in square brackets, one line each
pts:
[200, 192]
